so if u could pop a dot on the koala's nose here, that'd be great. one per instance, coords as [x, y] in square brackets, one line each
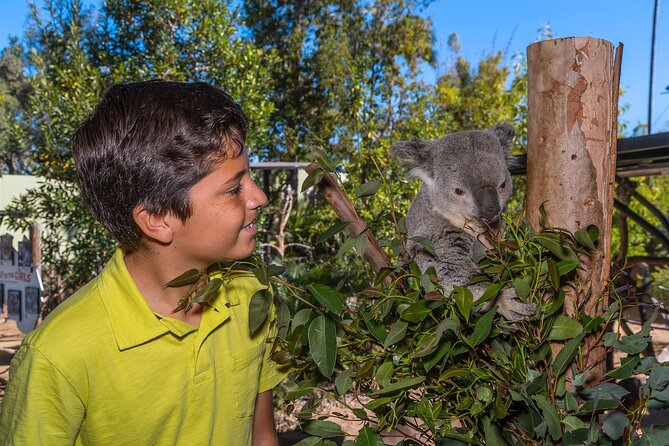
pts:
[488, 203]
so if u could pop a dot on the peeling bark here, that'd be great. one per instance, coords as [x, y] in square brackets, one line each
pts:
[572, 109]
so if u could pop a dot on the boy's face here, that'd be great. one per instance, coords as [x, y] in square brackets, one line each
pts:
[224, 206]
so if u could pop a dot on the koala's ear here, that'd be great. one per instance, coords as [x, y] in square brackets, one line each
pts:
[414, 153]
[505, 133]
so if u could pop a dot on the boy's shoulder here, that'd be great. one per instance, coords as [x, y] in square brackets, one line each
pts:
[76, 320]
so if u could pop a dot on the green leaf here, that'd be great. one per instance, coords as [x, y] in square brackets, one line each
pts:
[553, 274]
[565, 266]
[555, 244]
[322, 428]
[259, 307]
[444, 347]
[209, 292]
[361, 243]
[583, 237]
[463, 300]
[375, 327]
[368, 437]
[566, 355]
[332, 230]
[608, 391]
[323, 159]
[367, 189]
[490, 293]
[323, 344]
[626, 369]
[523, 286]
[283, 320]
[550, 415]
[344, 382]
[633, 344]
[346, 247]
[483, 326]
[564, 328]
[309, 441]
[425, 243]
[404, 384]
[598, 405]
[491, 432]
[312, 179]
[396, 333]
[189, 277]
[555, 303]
[572, 423]
[416, 312]
[327, 297]
[384, 373]
[615, 424]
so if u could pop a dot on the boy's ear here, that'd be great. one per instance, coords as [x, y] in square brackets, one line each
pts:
[154, 226]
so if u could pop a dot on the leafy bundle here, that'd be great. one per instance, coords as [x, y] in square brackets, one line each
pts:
[412, 355]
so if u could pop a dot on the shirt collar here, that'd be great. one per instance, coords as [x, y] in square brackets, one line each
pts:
[132, 320]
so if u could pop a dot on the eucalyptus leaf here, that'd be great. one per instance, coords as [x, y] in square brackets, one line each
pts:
[327, 297]
[566, 355]
[375, 327]
[261, 302]
[312, 179]
[368, 437]
[626, 368]
[463, 300]
[614, 425]
[367, 189]
[416, 312]
[189, 277]
[322, 428]
[384, 373]
[334, 229]
[425, 243]
[396, 333]
[564, 328]
[344, 381]
[551, 416]
[323, 344]
[483, 326]
[404, 384]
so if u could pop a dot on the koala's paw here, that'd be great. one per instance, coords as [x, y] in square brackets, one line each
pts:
[510, 308]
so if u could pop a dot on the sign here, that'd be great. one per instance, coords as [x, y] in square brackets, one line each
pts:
[20, 287]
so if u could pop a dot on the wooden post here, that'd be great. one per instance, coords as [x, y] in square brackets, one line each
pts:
[571, 145]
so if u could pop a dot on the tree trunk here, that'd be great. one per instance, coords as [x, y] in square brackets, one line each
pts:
[571, 144]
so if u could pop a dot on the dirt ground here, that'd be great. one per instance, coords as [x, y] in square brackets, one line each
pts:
[11, 337]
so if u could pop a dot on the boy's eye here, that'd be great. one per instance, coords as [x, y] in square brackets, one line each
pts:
[235, 190]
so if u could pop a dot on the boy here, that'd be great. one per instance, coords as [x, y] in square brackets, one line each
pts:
[162, 166]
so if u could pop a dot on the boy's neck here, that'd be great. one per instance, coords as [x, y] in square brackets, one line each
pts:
[151, 271]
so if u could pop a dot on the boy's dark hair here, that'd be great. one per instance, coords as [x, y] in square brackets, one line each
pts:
[148, 143]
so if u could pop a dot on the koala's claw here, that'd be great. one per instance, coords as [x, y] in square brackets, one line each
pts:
[510, 308]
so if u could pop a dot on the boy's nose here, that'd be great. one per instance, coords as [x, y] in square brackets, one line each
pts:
[258, 199]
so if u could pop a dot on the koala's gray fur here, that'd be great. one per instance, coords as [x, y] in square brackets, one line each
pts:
[466, 183]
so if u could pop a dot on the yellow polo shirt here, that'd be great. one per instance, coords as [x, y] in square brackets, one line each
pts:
[103, 369]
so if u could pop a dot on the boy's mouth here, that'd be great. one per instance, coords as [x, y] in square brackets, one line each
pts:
[251, 227]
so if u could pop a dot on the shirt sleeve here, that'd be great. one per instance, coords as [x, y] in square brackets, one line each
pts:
[40, 405]
[271, 373]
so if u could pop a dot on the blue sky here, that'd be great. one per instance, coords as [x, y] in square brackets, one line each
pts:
[487, 25]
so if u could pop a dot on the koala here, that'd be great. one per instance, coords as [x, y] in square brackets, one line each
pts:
[466, 184]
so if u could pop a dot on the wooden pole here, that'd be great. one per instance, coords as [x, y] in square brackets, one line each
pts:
[571, 144]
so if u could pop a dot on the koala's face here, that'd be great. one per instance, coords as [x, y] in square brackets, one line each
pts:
[465, 174]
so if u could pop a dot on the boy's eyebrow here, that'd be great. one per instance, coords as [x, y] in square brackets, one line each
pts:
[238, 175]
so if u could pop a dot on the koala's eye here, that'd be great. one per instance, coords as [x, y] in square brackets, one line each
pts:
[459, 191]
[503, 185]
